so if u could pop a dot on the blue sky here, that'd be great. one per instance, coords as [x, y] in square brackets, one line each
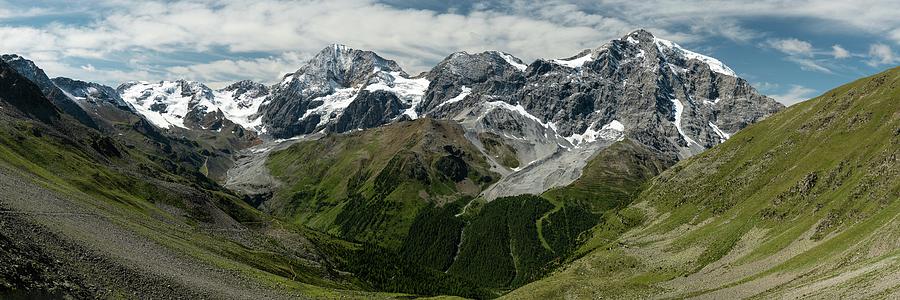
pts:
[790, 50]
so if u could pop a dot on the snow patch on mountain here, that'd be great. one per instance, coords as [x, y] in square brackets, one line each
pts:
[575, 62]
[679, 109]
[240, 108]
[165, 104]
[724, 136]
[518, 108]
[714, 64]
[613, 131]
[512, 61]
[410, 91]
[333, 105]
[462, 95]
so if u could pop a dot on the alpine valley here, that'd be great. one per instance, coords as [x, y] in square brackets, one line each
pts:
[636, 169]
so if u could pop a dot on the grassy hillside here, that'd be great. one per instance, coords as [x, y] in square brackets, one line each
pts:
[804, 203]
[512, 241]
[410, 188]
[83, 213]
[370, 185]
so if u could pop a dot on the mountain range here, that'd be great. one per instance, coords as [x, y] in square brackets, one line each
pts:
[636, 169]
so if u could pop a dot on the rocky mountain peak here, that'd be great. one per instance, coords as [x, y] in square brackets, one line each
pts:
[245, 93]
[340, 66]
[319, 92]
[244, 86]
[93, 93]
[36, 75]
[670, 53]
[640, 35]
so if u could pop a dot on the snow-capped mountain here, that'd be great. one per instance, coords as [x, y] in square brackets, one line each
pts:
[193, 105]
[93, 93]
[338, 81]
[555, 113]
[240, 102]
[558, 113]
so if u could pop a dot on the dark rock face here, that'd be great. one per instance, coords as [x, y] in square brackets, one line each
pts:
[101, 102]
[645, 83]
[486, 72]
[94, 93]
[23, 95]
[334, 68]
[247, 89]
[369, 109]
[31, 71]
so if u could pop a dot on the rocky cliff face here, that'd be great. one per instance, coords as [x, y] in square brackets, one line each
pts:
[20, 96]
[33, 73]
[101, 102]
[317, 96]
[557, 113]
[90, 92]
[194, 106]
[550, 116]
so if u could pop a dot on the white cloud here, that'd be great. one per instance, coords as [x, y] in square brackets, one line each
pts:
[415, 38]
[828, 15]
[795, 94]
[222, 72]
[809, 64]
[895, 35]
[792, 46]
[140, 34]
[765, 86]
[89, 68]
[881, 54]
[799, 52]
[839, 52]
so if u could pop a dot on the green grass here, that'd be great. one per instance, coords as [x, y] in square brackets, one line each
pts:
[502, 153]
[370, 186]
[826, 167]
[500, 248]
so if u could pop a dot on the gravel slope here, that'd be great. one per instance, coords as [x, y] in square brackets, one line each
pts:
[54, 245]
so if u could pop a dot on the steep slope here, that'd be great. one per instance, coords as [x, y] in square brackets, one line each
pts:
[84, 213]
[512, 241]
[370, 185]
[59, 98]
[341, 89]
[558, 113]
[101, 102]
[803, 204]
[23, 99]
[213, 120]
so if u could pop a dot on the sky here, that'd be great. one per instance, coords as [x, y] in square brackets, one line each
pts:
[789, 50]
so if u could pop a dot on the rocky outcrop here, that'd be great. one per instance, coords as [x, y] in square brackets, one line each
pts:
[20, 96]
[369, 109]
[557, 113]
[315, 96]
[59, 98]
[101, 102]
